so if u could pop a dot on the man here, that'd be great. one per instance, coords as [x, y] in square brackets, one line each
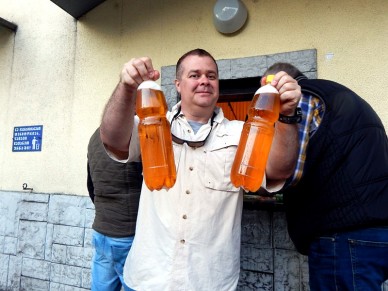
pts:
[188, 237]
[337, 201]
[114, 188]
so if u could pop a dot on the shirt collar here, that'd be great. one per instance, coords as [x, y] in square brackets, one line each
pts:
[217, 119]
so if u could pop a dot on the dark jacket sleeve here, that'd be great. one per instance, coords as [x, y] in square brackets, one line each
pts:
[90, 184]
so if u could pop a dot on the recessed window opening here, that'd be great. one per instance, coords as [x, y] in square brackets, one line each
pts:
[240, 78]
[236, 95]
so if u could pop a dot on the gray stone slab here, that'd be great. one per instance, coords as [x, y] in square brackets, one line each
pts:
[247, 67]
[68, 275]
[304, 60]
[68, 210]
[167, 75]
[49, 241]
[224, 69]
[32, 239]
[33, 210]
[252, 281]
[10, 245]
[4, 261]
[9, 213]
[304, 268]
[256, 228]
[170, 94]
[88, 238]
[36, 197]
[32, 284]
[79, 256]
[89, 203]
[14, 272]
[2, 239]
[58, 254]
[255, 258]
[86, 278]
[63, 287]
[69, 235]
[281, 238]
[288, 270]
[89, 217]
[38, 269]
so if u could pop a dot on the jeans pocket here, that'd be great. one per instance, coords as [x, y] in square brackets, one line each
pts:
[99, 255]
[119, 255]
[369, 263]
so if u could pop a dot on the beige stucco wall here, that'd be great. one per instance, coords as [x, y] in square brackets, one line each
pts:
[59, 72]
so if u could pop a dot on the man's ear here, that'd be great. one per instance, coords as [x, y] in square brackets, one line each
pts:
[177, 85]
[262, 81]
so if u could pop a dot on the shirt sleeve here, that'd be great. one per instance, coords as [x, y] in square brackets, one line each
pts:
[134, 146]
[312, 114]
[274, 187]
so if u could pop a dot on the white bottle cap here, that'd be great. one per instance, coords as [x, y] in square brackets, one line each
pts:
[149, 85]
[266, 89]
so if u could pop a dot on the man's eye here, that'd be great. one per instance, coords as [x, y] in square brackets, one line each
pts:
[212, 77]
[193, 76]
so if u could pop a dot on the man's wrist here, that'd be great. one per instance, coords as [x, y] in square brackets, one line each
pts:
[296, 118]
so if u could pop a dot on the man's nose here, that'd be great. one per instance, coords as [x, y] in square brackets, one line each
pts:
[204, 79]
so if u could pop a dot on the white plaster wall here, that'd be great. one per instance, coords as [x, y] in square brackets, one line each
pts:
[60, 72]
[6, 57]
[41, 91]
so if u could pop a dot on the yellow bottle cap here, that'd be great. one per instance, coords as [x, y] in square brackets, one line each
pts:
[269, 79]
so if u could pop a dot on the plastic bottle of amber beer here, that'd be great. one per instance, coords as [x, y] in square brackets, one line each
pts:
[256, 138]
[155, 137]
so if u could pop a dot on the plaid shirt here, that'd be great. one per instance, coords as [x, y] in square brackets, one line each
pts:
[312, 113]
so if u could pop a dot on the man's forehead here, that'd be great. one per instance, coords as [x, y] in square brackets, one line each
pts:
[200, 70]
[195, 63]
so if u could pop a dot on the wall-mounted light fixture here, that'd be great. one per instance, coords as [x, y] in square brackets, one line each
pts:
[229, 15]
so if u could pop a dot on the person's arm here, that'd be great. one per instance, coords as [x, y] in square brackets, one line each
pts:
[284, 151]
[117, 120]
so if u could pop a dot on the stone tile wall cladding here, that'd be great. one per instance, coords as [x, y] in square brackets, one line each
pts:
[45, 241]
[45, 244]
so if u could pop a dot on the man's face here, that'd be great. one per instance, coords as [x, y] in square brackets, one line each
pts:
[198, 84]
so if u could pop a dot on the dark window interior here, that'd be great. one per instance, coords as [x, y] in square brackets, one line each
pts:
[236, 96]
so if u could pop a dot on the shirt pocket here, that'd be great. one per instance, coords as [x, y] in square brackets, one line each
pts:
[218, 163]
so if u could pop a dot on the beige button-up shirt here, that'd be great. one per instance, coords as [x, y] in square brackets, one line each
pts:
[188, 237]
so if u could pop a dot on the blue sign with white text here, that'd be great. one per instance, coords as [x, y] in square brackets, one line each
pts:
[27, 138]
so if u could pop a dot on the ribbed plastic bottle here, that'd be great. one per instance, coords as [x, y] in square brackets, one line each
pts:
[155, 137]
[256, 138]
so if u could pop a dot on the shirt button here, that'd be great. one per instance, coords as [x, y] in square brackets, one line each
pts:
[187, 191]
[191, 168]
[184, 216]
[182, 241]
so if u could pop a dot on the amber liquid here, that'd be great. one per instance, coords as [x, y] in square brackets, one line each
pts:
[255, 142]
[155, 140]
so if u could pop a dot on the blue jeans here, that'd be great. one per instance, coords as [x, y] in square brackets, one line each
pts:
[354, 260]
[108, 262]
